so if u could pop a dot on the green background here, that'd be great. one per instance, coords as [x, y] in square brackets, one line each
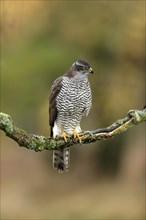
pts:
[39, 42]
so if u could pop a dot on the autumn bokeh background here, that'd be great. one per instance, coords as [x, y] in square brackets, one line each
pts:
[39, 42]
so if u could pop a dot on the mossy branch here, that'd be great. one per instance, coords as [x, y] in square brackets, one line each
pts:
[39, 143]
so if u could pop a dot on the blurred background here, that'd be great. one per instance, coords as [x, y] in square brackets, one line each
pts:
[39, 42]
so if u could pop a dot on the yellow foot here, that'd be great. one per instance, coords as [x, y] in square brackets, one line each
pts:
[76, 135]
[64, 135]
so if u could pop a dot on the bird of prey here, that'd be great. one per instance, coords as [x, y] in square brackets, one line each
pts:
[70, 99]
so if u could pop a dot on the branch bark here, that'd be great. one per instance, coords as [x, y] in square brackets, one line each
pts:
[39, 143]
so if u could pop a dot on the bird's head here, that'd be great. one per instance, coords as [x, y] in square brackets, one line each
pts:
[80, 69]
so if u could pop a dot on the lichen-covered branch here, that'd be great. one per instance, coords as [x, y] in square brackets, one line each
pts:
[39, 143]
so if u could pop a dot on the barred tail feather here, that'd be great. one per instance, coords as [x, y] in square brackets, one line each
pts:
[61, 159]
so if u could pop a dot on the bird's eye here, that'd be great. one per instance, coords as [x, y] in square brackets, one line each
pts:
[80, 67]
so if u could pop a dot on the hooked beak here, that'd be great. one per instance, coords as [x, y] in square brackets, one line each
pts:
[91, 70]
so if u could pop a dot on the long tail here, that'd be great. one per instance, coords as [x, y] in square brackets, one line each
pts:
[61, 159]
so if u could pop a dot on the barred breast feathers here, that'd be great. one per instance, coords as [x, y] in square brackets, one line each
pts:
[73, 102]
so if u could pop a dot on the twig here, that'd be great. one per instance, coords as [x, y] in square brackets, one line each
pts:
[39, 143]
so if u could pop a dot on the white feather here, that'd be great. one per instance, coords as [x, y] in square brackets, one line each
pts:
[56, 130]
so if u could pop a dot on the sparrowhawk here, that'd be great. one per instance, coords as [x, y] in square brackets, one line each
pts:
[70, 99]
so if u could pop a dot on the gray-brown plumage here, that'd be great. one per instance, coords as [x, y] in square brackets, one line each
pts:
[69, 101]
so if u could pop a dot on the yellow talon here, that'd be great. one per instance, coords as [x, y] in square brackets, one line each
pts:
[64, 135]
[76, 135]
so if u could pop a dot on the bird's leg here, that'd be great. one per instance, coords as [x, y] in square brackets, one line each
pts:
[76, 135]
[64, 135]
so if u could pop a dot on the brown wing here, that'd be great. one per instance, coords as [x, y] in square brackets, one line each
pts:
[55, 89]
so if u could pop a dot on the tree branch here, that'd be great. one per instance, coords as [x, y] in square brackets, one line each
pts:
[39, 143]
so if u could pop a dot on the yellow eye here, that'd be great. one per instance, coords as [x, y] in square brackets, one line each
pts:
[84, 67]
